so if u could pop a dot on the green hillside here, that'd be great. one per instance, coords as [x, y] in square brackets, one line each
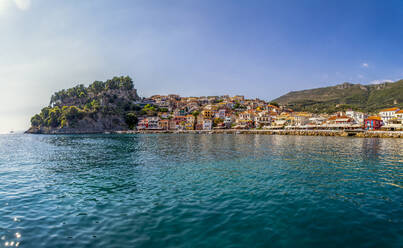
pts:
[101, 106]
[368, 98]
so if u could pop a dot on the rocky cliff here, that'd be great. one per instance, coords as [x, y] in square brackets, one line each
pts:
[100, 107]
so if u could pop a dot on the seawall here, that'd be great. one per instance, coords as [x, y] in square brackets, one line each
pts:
[340, 133]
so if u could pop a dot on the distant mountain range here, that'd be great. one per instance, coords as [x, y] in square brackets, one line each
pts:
[368, 98]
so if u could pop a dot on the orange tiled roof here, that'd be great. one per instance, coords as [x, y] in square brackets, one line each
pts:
[389, 109]
[374, 118]
[335, 117]
[399, 112]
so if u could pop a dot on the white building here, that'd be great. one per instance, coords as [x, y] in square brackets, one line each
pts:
[207, 124]
[358, 117]
[164, 115]
[318, 120]
[228, 121]
[153, 122]
[221, 114]
[280, 122]
[301, 120]
[399, 116]
[263, 119]
[247, 115]
[388, 114]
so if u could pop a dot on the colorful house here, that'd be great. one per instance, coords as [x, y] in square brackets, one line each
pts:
[189, 125]
[271, 107]
[207, 113]
[142, 124]
[373, 123]
[172, 125]
[179, 119]
[190, 119]
[164, 124]
[339, 120]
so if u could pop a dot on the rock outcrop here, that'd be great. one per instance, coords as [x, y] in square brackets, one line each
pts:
[100, 107]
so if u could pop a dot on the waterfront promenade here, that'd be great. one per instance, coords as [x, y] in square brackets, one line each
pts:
[307, 132]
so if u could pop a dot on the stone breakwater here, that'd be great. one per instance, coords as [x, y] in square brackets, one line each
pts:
[340, 133]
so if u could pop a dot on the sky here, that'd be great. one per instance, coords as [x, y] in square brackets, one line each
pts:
[255, 48]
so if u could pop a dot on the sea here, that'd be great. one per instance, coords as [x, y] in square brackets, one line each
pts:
[200, 190]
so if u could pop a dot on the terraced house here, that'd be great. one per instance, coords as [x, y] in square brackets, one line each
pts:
[173, 112]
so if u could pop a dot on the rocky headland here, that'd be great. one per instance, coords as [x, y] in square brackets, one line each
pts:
[100, 107]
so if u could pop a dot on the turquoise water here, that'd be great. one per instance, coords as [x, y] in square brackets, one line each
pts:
[183, 190]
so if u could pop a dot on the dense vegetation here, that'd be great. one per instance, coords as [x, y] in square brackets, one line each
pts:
[114, 99]
[368, 98]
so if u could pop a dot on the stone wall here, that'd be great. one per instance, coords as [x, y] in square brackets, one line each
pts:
[340, 133]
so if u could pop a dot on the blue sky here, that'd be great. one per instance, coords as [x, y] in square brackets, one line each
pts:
[257, 48]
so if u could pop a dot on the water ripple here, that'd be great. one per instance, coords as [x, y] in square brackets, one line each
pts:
[200, 191]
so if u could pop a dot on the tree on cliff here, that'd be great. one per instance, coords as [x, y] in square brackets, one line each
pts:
[274, 104]
[112, 104]
[131, 120]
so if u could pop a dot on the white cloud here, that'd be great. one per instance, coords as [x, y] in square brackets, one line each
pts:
[379, 81]
[364, 65]
[7, 5]
[23, 4]
[4, 5]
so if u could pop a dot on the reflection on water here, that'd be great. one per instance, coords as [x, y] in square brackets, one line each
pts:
[200, 191]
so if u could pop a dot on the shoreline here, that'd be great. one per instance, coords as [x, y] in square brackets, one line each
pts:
[305, 132]
[339, 133]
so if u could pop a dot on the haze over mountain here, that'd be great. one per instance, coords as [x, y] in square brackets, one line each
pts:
[369, 98]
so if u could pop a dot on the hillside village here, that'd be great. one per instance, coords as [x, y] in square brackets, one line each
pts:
[114, 105]
[237, 112]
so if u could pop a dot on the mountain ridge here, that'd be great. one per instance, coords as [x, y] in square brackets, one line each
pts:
[368, 98]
